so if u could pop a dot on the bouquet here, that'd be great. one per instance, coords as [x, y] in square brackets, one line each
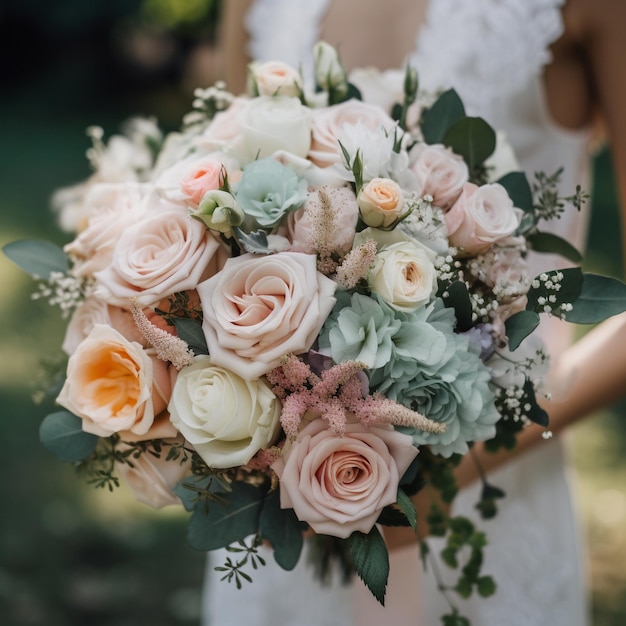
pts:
[274, 310]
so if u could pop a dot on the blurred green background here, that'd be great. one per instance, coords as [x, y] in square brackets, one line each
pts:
[71, 555]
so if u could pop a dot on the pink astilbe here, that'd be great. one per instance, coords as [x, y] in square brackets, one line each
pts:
[337, 396]
[263, 459]
[356, 264]
[167, 346]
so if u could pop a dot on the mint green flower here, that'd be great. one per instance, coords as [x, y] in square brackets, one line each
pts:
[359, 329]
[268, 190]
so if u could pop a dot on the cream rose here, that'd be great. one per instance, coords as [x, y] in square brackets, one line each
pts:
[403, 274]
[339, 485]
[225, 418]
[116, 387]
[269, 125]
[152, 479]
[257, 309]
[439, 172]
[480, 217]
[164, 253]
[381, 202]
[328, 125]
[275, 78]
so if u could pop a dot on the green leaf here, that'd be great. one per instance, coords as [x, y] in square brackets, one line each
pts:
[457, 297]
[519, 326]
[454, 619]
[353, 92]
[571, 285]
[547, 242]
[37, 257]
[190, 330]
[491, 492]
[283, 530]
[448, 556]
[436, 121]
[390, 516]
[486, 586]
[473, 139]
[535, 413]
[189, 488]
[62, 434]
[600, 298]
[371, 561]
[518, 188]
[463, 587]
[224, 524]
[254, 243]
[408, 508]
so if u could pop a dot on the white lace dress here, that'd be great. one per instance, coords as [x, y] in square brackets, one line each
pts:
[492, 52]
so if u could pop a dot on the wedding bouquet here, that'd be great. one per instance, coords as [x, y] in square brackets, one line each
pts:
[275, 309]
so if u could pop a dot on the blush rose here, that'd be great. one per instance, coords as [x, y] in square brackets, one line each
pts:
[257, 309]
[339, 485]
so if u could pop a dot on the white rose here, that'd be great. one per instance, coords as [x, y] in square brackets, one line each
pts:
[329, 71]
[381, 202]
[272, 124]
[225, 418]
[403, 272]
[275, 78]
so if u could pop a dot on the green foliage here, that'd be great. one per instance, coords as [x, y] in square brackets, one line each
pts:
[455, 295]
[283, 530]
[227, 522]
[233, 569]
[519, 326]
[254, 243]
[569, 289]
[548, 242]
[518, 188]
[36, 257]
[436, 121]
[190, 330]
[62, 434]
[473, 139]
[600, 297]
[454, 619]
[371, 561]
[408, 508]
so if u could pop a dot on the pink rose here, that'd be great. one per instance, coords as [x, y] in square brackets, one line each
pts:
[339, 485]
[113, 209]
[303, 224]
[258, 309]
[480, 217]
[205, 176]
[116, 387]
[152, 479]
[164, 253]
[329, 122]
[275, 78]
[508, 274]
[439, 172]
[224, 128]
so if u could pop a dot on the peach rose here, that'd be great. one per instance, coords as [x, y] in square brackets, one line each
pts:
[381, 202]
[329, 122]
[257, 309]
[152, 479]
[439, 172]
[480, 217]
[164, 253]
[116, 387]
[275, 78]
[339, 485]
[302, 224]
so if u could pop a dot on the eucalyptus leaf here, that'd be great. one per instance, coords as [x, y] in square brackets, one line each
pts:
[571, 283]
[518, 188]
[473, 139]
[371, 561]
[535, 413]
[548, 242]
[254, 243]
[519, 326]
[600, 298]
[190, 330]
[37, 257]
[62, 434]
[283, 530]
[223, 524]
[436, 121]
